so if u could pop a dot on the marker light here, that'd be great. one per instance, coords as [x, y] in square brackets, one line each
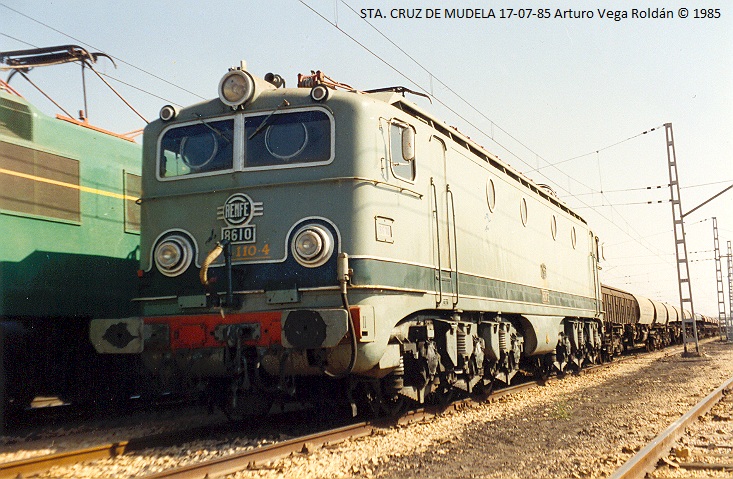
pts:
[236, 87]
[319, 93]
[168, 112]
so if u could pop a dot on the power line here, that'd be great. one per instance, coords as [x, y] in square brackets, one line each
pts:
[480, 130]
[598, 150]
[657, 187]
[654, 202]
[18, 40]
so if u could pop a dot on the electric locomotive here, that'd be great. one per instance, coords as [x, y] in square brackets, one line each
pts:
[70, 227]
[321, 240]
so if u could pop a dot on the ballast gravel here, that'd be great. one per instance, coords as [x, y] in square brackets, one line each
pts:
[583, 426]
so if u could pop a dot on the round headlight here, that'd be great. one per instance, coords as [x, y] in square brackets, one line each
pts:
[319, 93]
[236, 87]
[168, 112]
[173, 255]
[312, 246]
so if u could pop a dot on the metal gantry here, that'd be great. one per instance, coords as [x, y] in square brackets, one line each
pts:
[683, 267]
[719, 278]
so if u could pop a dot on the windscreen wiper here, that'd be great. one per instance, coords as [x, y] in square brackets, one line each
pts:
[267, 119]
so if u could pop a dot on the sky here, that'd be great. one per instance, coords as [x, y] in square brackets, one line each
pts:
[579, 104]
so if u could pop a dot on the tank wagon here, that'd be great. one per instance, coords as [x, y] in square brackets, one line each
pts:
[70, 252]
[311, 239]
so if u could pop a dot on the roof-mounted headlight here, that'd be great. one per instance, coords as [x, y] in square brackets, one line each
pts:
[236, 88]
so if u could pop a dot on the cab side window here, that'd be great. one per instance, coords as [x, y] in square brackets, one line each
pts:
[402, 151]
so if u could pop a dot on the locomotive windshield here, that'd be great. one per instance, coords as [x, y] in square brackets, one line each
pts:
[283, 139]
[197, 148]
[302, 137]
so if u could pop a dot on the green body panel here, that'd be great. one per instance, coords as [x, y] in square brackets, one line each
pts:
[56, 267]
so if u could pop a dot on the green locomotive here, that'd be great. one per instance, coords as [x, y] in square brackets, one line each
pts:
[70, 252]
[325, 242]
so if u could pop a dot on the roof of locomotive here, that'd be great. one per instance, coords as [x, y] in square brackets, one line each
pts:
[21, 121]
[400, 102]
[271, 97]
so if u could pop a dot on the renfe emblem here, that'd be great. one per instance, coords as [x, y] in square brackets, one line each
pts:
[237, 212]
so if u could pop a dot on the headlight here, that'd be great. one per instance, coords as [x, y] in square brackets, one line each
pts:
[173, 255]
[236, 87]
[312, 246]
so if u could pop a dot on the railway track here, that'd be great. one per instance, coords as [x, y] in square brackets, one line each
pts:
[234, 462]
[252, 458]
[34, 465]
[698, 452]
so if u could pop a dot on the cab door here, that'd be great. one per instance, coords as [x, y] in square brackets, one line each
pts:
[442, 215]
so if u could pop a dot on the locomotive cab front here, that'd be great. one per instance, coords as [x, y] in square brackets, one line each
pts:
[247, 213]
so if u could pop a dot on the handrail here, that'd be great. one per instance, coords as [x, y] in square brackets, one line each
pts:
[437, 237]
[455, 240]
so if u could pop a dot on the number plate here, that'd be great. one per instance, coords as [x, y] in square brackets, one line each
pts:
[239, 234]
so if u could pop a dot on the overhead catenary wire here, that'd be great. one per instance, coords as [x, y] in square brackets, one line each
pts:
[600, 149]
[656, 187]
[627, 228]
[493, 124]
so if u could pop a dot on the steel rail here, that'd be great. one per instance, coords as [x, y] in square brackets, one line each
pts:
[243, 460]
[644, 460]
[249, 459]
[33, 465]
[38, 464]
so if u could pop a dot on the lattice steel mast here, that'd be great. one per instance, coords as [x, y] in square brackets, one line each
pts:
[719, 277]
[683, 267]
[729, 321]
